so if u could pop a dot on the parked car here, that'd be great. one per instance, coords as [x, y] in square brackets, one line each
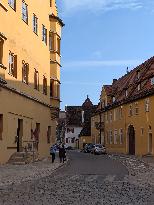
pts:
[88, 148]
[98, 149]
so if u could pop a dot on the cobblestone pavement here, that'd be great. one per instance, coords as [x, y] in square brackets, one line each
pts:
[86, 180]
[16, 174]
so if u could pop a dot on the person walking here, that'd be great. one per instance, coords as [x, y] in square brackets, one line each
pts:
[62, 153]
[53, 153]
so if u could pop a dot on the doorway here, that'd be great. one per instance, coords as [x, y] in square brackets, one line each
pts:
[19, 135]
[131, 136]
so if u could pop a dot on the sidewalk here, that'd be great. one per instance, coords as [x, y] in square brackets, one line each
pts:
[16, 174]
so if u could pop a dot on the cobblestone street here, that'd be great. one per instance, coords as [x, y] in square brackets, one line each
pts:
[87, 179]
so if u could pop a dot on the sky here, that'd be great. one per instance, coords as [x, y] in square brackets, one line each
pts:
[101, 38]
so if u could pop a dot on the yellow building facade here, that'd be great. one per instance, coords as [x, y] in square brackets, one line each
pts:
[127, 112]
[30, 33]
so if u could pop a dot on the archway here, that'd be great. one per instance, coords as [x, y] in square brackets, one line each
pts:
[131, 136]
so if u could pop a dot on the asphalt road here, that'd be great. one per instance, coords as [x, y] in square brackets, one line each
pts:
[86, 180]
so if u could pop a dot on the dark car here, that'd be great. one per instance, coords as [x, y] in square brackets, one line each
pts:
[88, 148]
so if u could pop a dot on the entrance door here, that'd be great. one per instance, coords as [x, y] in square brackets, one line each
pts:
[19, 135]
[150, 143]
[131, 135]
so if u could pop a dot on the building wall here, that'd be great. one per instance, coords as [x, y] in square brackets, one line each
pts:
[142, 121]
[20, 39]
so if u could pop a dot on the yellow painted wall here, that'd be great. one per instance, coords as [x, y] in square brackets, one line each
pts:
[23, 42]
[141, 123]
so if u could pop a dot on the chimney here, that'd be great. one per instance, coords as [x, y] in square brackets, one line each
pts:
[114, 80]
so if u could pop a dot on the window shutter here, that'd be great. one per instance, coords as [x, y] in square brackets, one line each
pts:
[15, 66]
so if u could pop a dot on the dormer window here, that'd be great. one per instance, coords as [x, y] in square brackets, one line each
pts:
[139, 87]
[126, 93]
[152, 81]
[113, 99]
[138, 74]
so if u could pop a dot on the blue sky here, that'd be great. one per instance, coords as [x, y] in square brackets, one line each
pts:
[100, 39]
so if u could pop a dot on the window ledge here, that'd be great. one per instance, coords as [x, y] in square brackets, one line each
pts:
[1, 5]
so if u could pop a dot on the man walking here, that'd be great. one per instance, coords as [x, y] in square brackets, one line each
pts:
[62, 153]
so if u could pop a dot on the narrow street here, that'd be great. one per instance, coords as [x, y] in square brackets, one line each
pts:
[86, 179]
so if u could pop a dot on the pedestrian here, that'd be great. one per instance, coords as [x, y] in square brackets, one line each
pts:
[53, 153]
[62, 153]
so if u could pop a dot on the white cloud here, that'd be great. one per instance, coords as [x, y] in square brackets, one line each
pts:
[100, 63]
[105, 5]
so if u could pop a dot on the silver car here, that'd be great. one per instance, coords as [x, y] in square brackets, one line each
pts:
[99, 149]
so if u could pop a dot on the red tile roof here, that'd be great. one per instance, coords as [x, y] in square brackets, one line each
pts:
[130, 82]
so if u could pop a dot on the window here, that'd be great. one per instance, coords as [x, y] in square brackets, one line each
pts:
[138, 74]
[25, 72]
[50, 3]
[1, 126]
[36, 80]
[51, 41]
[147, 106]
[72, 140]
[120, 113]
[107, 117]
[115, 136]
[49, 135]
[1, 50]
[142, 131]
[130, 110]
[139, 87]
[51, 88]
[110, 136]
[12, 64]
[136, 108]
[66, 140]
[121, 136]
[126, 93]
[113, 99]
[35, 24]
[44, 85]
[24, 12]
[12, 4]
[58, 90]
[44, 34]
[58, 46]
[152, 81]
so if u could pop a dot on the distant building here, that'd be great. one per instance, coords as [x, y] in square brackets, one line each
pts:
[73, 125]
[124, 117]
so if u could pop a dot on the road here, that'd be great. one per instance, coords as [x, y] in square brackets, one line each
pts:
[86, 180]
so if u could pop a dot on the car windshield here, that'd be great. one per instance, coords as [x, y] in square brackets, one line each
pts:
[98, 145]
